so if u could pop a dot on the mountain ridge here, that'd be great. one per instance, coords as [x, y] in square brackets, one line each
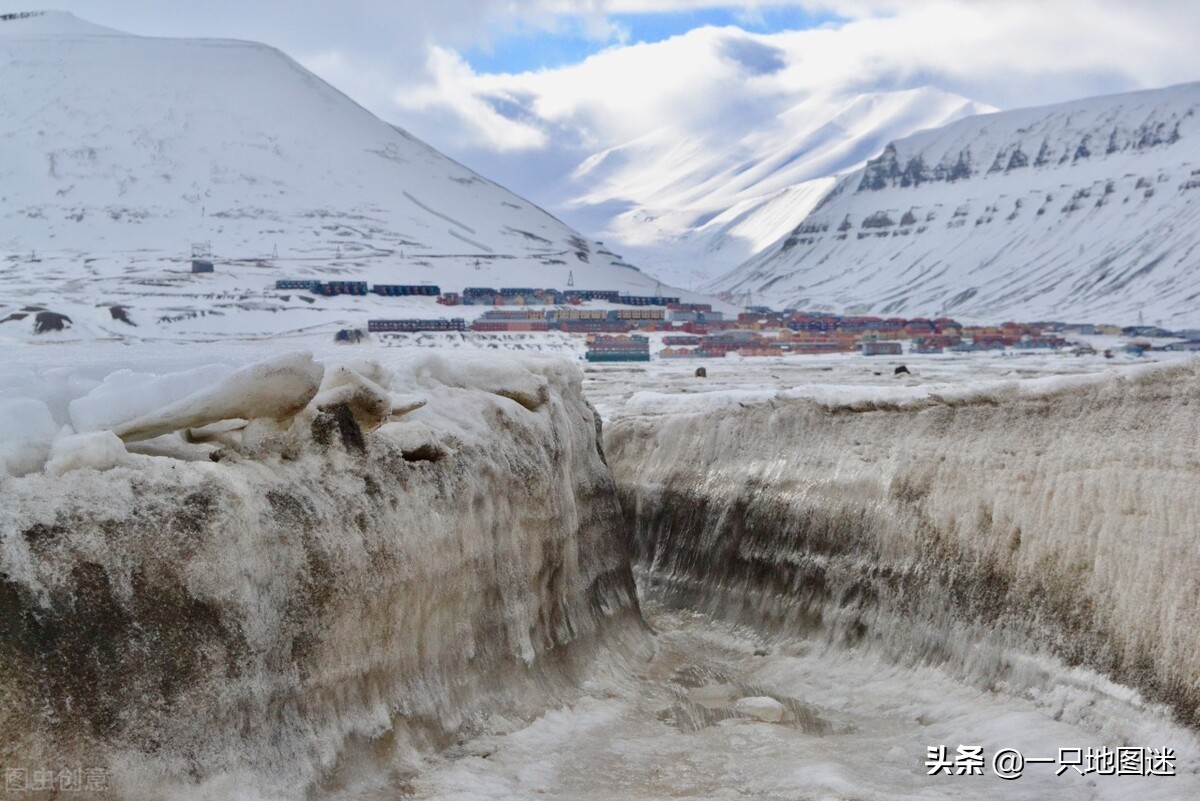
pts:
[1055, 211]
[691, 212]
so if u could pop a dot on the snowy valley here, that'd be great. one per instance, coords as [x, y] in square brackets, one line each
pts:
[698, 207]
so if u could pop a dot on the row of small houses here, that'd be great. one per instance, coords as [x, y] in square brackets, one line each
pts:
[720, 345]
[332, 288]
[754, 343]
[479, 296]
[632, 348]
[615, 321]
[415, 325]
[606, 344]
[510, 296]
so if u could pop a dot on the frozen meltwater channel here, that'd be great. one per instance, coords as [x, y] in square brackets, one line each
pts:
[855, 726]
[832, 535]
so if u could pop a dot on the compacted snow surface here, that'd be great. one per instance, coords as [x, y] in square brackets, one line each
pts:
[854, 727]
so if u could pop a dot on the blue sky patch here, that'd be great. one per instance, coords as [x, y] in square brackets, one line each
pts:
[530, 51]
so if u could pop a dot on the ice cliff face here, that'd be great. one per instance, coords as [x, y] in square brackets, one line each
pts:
[1084, 210]
[967, 530]
[321, 599]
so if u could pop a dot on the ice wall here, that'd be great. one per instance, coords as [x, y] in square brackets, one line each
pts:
[255, 610]
[967, 530]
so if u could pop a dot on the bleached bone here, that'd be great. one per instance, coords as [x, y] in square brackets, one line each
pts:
[370, 404]
[277, 389]
[403, 404]
[214, 432]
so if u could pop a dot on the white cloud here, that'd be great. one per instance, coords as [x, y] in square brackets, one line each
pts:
[663, 132]
[452, 89]
[1019, 52]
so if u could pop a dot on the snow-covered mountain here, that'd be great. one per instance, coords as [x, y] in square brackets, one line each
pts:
[688, 154]
[1083, 210]
[120, 152]
[692, 209]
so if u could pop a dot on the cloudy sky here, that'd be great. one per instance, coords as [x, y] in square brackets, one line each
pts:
[530, 92]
